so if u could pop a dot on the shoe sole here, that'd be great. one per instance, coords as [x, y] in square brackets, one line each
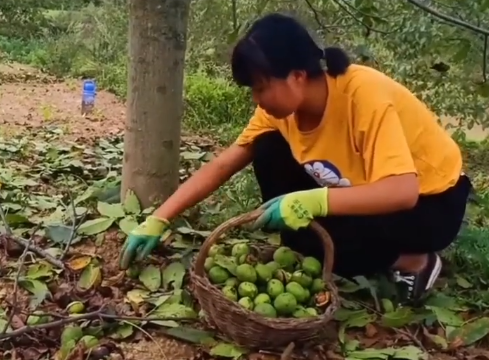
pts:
[434, 273]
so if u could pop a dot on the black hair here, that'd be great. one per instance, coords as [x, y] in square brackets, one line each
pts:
[277, 44]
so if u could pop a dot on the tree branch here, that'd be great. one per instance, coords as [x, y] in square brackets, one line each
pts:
[317, 17]
[449, 19]
[484, 59]
[88, 316]
[13, 309]
[74, 226]
[9, 236]
[345, 7]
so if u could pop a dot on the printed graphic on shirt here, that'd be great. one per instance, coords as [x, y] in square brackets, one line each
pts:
[326, 174]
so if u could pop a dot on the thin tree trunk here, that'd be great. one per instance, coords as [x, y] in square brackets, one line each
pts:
[157, 44]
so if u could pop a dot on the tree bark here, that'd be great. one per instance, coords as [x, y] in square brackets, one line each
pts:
[157, 44]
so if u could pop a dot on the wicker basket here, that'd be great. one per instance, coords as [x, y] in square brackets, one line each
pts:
[248, 328]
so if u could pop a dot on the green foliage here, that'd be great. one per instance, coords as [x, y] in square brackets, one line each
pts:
[470, 253]
[21, 18]
[441, 62]
[216, 101]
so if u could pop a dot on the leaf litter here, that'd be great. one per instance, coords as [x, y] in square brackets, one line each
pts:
[39, 177]
[58, 186]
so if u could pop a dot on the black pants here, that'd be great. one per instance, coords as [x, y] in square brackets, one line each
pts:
[364, 245]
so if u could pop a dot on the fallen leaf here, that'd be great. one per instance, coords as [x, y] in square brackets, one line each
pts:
[37, 288]
[150, 276]
[88, 193]
[352, 318]
[173, 274]
[128, 224]
[355, 318]
[435, 339]
[226, 262]
[442, 300]
[38, 271]
[71, 333]
[227, 350]
[137, 296]
[95, 226]
[366, 284]
[175, 311]
[16, 219]
[387, 305]
[160, 300]
[90, 277]
[165, 323]
[351, 345]
[188, 231]
[79, 263]
[3, 323]
[131, 203]
[113, 281]
[398, 318]
[188, 155]
[122, 331]
[410, 352]
[194, 336]
[113, 211]
[65, 350]
[445, 316]
[99, 239]
[469, 333]
[61, 234]
[462, 282]
[377, 354]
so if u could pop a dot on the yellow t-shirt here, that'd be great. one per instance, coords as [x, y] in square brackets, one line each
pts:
[373, 127]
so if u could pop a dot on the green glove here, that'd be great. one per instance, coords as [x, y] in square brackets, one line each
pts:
[143, 240]
[295, 210]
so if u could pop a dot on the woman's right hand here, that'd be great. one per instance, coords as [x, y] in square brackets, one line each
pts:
[207, 179]
[143, 240]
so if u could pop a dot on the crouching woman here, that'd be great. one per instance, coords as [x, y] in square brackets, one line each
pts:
[340, 143]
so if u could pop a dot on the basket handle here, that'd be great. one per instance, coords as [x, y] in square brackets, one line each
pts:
[251, 216]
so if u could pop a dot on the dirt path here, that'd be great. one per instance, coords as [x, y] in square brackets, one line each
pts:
[29, 99]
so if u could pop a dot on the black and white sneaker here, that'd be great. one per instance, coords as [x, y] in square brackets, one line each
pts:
[414, 286]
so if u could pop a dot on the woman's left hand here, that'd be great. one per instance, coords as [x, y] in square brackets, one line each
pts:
[295, 210]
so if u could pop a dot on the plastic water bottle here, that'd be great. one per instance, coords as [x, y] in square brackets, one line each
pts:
[88, 96]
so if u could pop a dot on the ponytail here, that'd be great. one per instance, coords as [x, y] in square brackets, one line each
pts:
[337, 61]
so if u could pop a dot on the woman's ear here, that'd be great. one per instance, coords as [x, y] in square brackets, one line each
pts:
[298, 76]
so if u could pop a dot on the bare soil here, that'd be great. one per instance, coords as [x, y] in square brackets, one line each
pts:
[29, 99]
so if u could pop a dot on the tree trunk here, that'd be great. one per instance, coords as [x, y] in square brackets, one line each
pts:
[157, 44]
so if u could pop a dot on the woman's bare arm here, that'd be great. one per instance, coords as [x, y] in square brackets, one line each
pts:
[205, 181]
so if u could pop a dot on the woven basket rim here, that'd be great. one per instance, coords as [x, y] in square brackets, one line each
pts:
[215, 235]
[204, 289]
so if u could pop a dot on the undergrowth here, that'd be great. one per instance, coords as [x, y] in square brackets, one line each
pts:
[213, 105]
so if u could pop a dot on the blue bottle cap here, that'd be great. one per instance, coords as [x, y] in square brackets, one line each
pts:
[89, 85]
